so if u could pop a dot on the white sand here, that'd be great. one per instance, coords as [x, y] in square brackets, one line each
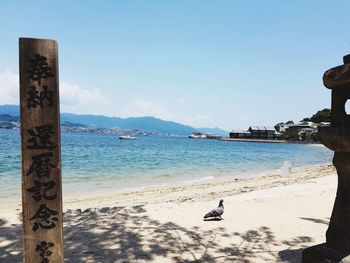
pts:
[268, 219]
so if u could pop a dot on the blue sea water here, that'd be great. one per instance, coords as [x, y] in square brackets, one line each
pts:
[91, 161]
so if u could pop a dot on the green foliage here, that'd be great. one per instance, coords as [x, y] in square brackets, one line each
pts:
[320, 116]
[293, 137]
[309, 137]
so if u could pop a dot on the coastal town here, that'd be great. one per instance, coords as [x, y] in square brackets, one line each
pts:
[303, 131]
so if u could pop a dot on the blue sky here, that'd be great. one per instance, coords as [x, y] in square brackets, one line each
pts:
[229, 64]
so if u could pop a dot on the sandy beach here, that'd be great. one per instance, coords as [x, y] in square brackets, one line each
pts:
[268, 219]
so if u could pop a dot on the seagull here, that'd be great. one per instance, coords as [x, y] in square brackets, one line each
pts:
[217, 212]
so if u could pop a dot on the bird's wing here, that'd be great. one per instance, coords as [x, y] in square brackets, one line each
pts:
[215, 212]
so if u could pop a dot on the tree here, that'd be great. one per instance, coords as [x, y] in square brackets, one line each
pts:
[320, 116]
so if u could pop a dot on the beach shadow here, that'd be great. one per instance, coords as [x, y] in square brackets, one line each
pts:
[11, 244]
[2, 222]
[213, 219]
[292, 254]
[127, 234]
[315, 220]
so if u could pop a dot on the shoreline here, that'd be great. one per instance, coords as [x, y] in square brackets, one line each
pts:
[178, 191]
[112, 185]
[251, 140]
[201, 191]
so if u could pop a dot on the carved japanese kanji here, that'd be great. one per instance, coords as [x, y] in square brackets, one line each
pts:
[45, 218]
[39, 69]
[40, 190]
[41, 152]
[44, 251]
[41, 137]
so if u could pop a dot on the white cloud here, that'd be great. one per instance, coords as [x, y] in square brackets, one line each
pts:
[9, 88]
[142, 107]
[75, 98]
[147, 108]
[72, 97]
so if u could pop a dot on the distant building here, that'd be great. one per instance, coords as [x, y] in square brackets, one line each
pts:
[301, 131]
[240, 134]
[282, 127]
[293, 130]
[324, 124]
[257, 132]
[262, 132]
[309, 123]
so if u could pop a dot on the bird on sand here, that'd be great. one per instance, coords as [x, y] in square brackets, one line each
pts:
[217, 212]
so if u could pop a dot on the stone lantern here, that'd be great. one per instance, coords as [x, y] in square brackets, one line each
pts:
[337, 138]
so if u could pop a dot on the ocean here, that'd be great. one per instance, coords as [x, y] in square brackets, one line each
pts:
[97, 161]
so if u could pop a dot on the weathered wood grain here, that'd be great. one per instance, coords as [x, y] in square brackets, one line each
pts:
[40, 146]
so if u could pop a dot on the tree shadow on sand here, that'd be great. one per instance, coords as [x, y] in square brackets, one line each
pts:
[213, 219]
[316, 220]
[127, 234]
[290, 253]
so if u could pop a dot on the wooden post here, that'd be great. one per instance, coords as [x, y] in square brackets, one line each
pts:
[41, 151]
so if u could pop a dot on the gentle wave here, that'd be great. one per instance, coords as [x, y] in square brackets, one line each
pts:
[101, 160]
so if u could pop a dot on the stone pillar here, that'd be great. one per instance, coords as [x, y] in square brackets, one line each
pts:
[337, 138]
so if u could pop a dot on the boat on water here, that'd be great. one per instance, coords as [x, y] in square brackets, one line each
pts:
[199, 135]
[126, 137]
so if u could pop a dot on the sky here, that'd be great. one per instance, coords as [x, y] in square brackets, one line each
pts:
[227, 64]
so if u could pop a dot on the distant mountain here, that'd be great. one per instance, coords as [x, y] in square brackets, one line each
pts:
[7, 117]
[12, 110]
[150, 124]
[96, 121]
